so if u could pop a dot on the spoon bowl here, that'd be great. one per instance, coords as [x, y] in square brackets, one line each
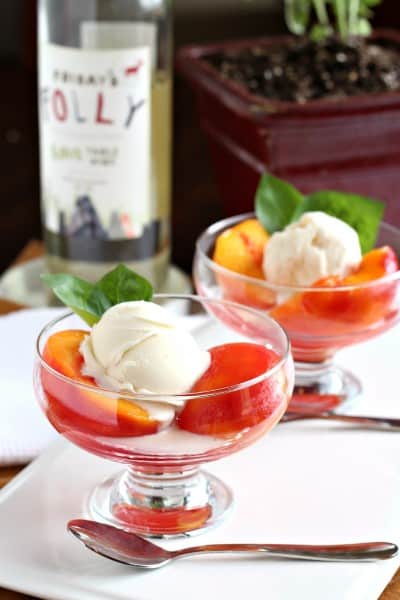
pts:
[130, 549]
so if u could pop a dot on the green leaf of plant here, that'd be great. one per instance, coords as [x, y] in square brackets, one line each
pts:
[363, 27]
[321, 11]
[79, 295]
[371, 2]
[347, 17]
[297, 15]
[361, 213]
[275, 202]
[365, 12]
[123, 285]
[340, 10]
[320, 32]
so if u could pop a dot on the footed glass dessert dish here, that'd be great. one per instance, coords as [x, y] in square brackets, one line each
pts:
[321, 318]
[162, 439]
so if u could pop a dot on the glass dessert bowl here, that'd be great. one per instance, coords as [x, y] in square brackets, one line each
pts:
[163, 438]
[321, 318]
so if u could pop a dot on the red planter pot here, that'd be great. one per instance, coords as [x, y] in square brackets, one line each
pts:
[351, 144]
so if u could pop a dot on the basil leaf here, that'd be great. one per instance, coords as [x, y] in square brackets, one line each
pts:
[123, 285]
[90, 301]
[275, 202]
[361, 213]
[278, 203]
[80, 296]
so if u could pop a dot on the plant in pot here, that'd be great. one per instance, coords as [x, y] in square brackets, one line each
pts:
[319, 108]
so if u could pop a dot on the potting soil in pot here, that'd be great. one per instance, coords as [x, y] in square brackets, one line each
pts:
[307, 70]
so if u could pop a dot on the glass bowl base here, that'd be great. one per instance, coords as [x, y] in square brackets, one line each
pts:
[161, 505]
[323, 388]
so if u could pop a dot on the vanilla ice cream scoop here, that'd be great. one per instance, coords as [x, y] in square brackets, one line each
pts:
[140, 347]
[316, 246]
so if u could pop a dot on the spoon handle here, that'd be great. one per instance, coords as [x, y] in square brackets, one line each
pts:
[386, 423]
[345, 552]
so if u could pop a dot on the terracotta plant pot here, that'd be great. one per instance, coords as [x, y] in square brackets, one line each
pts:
[350, 144]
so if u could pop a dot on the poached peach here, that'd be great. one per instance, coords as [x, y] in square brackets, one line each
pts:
[241, 249]
[83, 409]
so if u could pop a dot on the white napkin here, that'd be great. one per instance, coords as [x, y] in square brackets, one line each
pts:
[24, 430]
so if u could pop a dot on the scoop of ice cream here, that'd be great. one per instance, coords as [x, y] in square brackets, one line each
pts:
[140, 347]
[316, 246]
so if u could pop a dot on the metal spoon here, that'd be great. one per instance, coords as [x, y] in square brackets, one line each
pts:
[130, 549]
[385, 423]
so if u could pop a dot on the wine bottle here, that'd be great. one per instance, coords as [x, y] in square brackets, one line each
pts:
[105, 135]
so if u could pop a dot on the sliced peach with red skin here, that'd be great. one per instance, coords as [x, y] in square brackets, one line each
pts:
[292, 315]
[231, 412]
[241, 249]
[70, 407]
[365, 305]
[375, 264]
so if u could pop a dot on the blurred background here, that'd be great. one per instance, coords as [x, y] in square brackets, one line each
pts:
[195, 198]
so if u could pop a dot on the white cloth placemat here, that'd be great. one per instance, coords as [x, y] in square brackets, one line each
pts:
[24, 431]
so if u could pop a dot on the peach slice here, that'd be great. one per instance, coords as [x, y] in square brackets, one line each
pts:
[231, 412]
[72, 408]
[241, 249]
[363, 306]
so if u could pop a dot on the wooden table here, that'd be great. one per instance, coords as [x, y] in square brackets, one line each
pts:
[33, 250]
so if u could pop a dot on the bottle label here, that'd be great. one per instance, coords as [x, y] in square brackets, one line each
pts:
[95, 130]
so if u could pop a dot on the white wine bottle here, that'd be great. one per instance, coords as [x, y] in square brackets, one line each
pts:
[105, 134]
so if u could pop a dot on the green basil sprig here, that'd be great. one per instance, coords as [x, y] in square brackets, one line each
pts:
[277, 204]
[91, 300]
